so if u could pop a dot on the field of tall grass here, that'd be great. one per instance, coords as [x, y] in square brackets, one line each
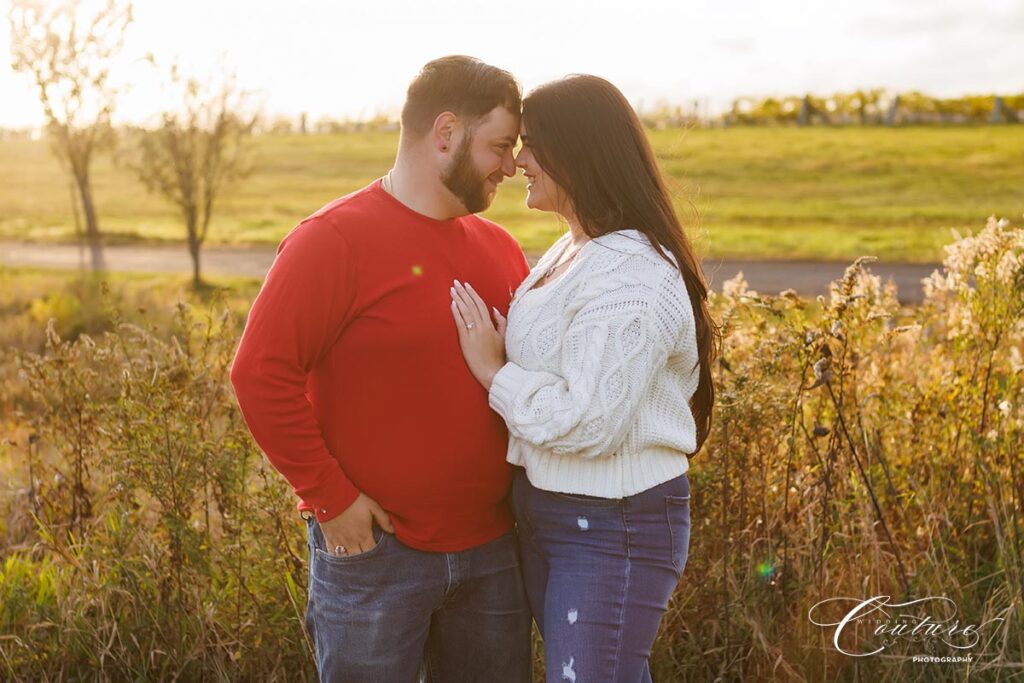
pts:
[859, 450]
[821, 193]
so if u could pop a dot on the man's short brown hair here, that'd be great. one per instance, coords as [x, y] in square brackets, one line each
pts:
[462, 85]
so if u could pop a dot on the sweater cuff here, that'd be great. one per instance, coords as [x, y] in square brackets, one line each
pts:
[332, 497]
[503, 388]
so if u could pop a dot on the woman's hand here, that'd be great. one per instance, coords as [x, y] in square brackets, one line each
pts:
[482, 342]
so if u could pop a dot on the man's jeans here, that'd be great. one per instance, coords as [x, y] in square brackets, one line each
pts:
[599, 573]
[377, 616]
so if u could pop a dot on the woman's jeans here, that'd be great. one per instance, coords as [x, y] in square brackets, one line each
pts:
[599, 573]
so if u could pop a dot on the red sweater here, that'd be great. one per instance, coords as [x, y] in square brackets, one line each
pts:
[350, 376]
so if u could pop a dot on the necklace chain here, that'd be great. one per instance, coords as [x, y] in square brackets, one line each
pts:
[544, 278]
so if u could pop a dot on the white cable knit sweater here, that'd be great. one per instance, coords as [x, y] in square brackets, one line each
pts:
[602, 363]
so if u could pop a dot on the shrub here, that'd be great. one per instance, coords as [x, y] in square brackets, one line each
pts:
[169, 546]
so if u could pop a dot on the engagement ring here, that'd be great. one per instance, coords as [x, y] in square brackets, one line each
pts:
[470, 326]
[340, 550]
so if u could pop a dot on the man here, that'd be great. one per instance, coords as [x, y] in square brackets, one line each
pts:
[350, 377]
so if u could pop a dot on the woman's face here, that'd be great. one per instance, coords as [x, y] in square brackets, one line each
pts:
[543, 193]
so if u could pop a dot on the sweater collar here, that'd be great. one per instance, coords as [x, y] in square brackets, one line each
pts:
[625, 240]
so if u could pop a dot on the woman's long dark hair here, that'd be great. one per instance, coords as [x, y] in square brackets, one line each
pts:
[586, 136]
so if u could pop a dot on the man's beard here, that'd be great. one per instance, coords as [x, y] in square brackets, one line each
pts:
[465, 181]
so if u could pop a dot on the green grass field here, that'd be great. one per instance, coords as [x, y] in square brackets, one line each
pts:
[822, 193]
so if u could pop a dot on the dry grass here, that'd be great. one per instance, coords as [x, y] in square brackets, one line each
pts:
[858, 450]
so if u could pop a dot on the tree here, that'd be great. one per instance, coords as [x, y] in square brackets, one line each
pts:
[68, 48]
[196, 151]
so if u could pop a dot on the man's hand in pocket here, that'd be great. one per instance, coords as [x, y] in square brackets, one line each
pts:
[353, 528]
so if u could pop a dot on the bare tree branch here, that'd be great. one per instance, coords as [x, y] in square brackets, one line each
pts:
[196, 151]
[70, 69]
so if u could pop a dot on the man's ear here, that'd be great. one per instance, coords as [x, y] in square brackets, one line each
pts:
[444, 129]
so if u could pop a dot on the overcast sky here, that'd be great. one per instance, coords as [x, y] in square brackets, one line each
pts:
[345, 58]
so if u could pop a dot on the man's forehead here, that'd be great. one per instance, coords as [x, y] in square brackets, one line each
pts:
[499, 123]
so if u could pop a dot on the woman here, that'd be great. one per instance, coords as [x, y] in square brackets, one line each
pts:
[603, 373]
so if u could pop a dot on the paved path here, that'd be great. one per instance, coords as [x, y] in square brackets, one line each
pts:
[808, 278]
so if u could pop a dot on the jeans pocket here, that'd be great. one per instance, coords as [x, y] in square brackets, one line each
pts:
[320, 550]
[580, 499]
[677, 513]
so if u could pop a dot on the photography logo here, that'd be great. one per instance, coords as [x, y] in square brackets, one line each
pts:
[926, 629]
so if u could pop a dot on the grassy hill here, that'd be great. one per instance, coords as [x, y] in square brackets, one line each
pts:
[822, 193]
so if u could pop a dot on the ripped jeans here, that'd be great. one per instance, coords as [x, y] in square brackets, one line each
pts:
[599, 573]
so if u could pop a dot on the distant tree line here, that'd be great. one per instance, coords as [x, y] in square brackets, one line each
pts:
[875, 107]
[860, 107]
[325, 125]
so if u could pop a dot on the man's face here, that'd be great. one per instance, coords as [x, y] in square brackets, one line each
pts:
[483, 160]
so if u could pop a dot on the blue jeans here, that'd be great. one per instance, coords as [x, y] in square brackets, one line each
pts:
[599, 573]
[392, 612]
